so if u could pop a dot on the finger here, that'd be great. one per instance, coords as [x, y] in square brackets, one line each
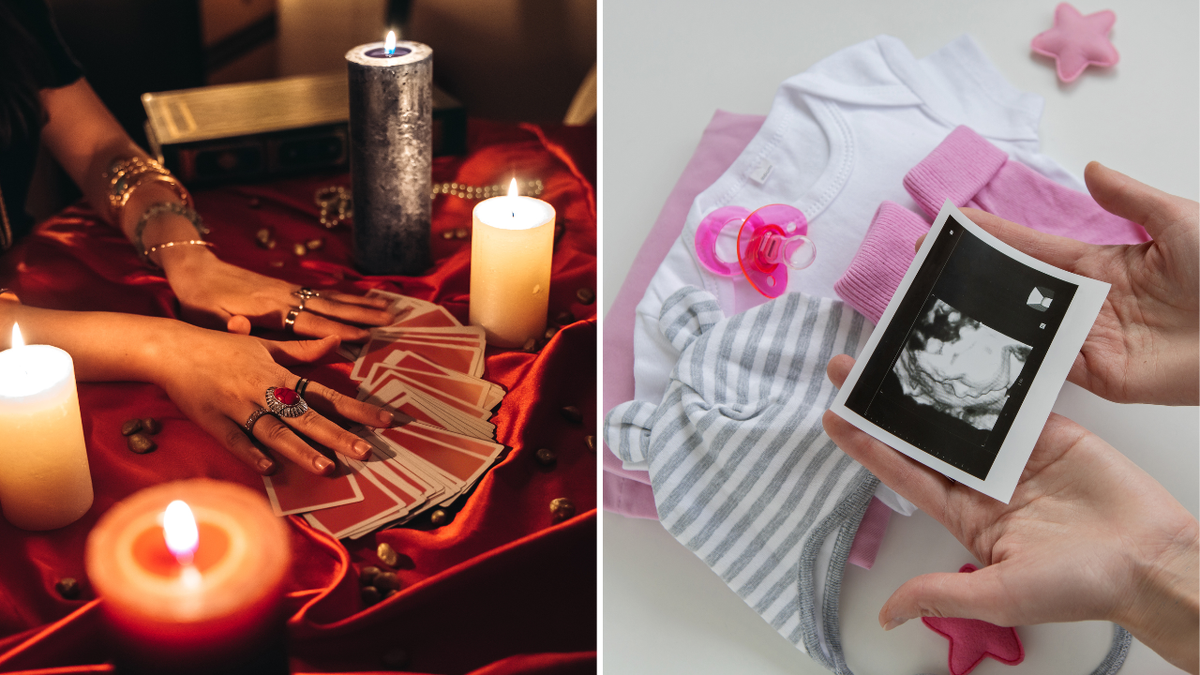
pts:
[233, 436]
[360, 300]
[291, 352]
[328, 434]
[238, 324]
[839, 369]
[1132, 199]
[329, 402]
[280, 438]
[313, 325]
[206, 318]
[349, 312]
[917, 245]
[1061, 252]
[978, 595]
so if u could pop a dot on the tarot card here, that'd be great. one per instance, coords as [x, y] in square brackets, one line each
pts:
[458, 357]
[348, 519]
[969, 357]
[292, 489]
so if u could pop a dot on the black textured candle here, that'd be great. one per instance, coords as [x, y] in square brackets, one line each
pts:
[391, 154]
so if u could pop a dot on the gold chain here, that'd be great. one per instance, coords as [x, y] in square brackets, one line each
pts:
[337, 205]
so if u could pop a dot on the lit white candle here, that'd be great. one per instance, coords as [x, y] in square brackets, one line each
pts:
[512, 246]
[44, 478]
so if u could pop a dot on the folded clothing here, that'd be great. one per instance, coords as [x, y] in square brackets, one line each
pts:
[969, 171]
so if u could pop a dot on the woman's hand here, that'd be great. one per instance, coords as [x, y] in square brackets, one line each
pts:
[1087, 535]
[1145, 345]
[219, 380]
[216, 294]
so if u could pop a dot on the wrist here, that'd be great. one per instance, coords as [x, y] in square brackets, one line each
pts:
[1164, 612]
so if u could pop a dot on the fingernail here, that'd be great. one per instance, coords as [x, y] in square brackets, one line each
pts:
[265, 466]
[386, 418]
[362, 448]
[322, 464]
[893, 623]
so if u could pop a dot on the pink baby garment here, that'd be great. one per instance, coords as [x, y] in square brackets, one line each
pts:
[969, 171]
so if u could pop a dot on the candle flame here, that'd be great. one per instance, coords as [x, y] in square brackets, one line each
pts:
[389, 44]
[17, 340]
[179, 529]
[512, 188]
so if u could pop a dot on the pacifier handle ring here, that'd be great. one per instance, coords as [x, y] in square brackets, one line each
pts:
[770, 280]
[706, 239]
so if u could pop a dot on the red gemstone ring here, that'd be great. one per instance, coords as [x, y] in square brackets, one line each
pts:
[285, 402]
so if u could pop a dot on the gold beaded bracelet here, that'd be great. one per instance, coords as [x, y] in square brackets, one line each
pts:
[189, 242]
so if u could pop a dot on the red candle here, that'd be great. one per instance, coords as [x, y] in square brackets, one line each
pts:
[191, 574]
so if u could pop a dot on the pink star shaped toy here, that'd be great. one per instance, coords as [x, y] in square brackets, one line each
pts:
[971, 639]
[1077, 41]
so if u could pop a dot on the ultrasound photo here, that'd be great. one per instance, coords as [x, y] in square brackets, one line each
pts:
[969, 356]
[958, 366]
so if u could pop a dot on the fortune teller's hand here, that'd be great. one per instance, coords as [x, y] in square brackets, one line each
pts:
[1087, 535]
[1145, 345]
[216, 294]
[220, 381]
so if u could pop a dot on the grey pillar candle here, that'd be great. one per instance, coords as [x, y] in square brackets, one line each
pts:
[391, 156]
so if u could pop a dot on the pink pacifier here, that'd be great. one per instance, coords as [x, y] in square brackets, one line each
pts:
[770, 241]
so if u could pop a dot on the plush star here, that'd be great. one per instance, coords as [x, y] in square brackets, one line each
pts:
[1077, 41]
[971, 640]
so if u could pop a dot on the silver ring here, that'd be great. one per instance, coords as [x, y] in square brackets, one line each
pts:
[301, 386]
[305, 293]
[285, 403]
[289, 322]
[250, 421]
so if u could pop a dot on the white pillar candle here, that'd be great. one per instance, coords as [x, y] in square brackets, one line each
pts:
[44, 478]
[512, 247]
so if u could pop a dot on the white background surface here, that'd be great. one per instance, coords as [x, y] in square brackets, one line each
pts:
[667, 65]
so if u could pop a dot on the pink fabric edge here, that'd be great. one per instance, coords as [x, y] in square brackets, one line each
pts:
[727, 134]
[870, 534]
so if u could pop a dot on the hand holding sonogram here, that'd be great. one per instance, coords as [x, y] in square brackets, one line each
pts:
[1145, 345]
[1086, 535]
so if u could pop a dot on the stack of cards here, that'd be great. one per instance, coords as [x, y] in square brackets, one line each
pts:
[428, 366]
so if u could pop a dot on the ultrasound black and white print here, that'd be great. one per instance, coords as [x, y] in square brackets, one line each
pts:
[959, 367]
[967, 360]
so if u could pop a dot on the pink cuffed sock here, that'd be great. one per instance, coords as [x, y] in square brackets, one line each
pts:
[969, 171]
[881, 260]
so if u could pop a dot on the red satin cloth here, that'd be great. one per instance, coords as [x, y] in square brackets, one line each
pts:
[501, 589]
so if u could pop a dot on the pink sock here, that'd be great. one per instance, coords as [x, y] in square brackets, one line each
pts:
[881, 260]
[969, 171]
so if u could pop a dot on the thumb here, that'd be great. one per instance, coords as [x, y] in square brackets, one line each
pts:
[1128, 198]
[301, 351]
[1062, 252]
[238, 324]
[977, 595]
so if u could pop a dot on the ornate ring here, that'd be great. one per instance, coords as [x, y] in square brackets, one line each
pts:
[301, 386]
[289, 322]
[285, 402]
[249, 425]
[306, 293]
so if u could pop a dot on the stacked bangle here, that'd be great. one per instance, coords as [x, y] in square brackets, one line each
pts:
[126, 175]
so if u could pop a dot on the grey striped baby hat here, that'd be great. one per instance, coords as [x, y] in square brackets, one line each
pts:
[742, 471]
